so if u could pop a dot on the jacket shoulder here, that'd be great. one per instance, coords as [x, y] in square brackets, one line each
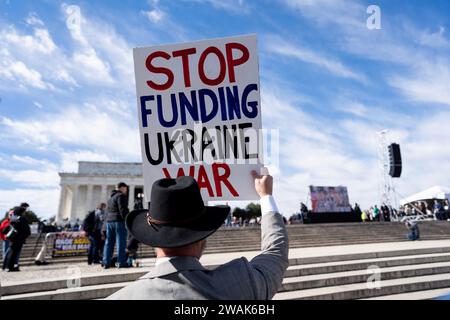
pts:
[232, 280]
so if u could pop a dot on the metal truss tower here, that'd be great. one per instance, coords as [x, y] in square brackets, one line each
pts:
[387, 191]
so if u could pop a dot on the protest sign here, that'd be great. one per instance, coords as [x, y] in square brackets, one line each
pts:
[70, 244]
[200, 114]
[329, 199]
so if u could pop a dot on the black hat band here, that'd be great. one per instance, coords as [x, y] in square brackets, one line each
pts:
[153, 221]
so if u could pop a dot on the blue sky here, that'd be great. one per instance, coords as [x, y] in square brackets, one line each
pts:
[328, 84]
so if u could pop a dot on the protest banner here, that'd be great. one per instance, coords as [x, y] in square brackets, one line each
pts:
[200, 114]
[329, 199]
[70, 244]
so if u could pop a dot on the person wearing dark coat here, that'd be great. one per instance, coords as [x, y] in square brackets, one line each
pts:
[116, 211]
[17, 233]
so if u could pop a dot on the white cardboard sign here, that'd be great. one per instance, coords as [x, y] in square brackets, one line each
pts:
[199, 114]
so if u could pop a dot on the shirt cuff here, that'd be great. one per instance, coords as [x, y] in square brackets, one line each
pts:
[268, 205]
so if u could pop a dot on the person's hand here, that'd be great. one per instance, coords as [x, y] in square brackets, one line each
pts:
[263, 184]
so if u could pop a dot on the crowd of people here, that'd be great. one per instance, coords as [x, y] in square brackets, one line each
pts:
[235, 222]
[384, 213]
[14, 230]
[436, 209]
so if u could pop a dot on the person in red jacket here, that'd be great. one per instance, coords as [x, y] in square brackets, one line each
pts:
[3, 227]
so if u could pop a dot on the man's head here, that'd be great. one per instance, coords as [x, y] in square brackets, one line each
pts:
[177, 217]
[122, 187]
[191, 250]
[24, 205]
[102, 206]
[19, 211]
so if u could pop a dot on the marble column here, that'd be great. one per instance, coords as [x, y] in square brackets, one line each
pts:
[131, 197]
[62, 204]
[103, 195]
[74, 209]
[89, 194]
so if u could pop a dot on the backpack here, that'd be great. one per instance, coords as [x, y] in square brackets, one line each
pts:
[19, 229]
[12, 234]
[89, 222]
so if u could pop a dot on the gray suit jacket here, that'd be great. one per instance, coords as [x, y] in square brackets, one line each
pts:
[183, 278]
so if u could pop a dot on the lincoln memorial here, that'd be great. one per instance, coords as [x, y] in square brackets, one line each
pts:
[93, 183]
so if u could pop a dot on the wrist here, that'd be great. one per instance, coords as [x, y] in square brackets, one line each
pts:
[268, 204]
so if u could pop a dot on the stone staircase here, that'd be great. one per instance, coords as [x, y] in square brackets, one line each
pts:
[413, 272]
[248, 238]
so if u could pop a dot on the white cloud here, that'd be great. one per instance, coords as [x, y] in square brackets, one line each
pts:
[33, 20]
[155, 15]
[20, 59]
[44, 202]
[94, 68]
[354, 107]
[30, 161]
[38, 105]
[315, 151]
[168, 27]
[82, 126]
[69, 159]
[102, 128]
[334, 66]
[430, 82]
[234, 6]
[422, 55]
[434, 39]
[34, 178]
[343, 13]
[40, 41]
[26, 76]
[30, 172]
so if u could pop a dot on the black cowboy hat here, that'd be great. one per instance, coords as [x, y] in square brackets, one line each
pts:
[177, 215]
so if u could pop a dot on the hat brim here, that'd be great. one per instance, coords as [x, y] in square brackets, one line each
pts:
[171, 236]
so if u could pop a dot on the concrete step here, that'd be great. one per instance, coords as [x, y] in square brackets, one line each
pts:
[364, 264]
[361, 276]
[418, 295]
[313, 265]
[303, 274]
[78, 293]
[108, 277]
[148, 252]
[367, 255]
[361, 290]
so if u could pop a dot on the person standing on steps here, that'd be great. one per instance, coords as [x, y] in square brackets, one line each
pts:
[116, 212]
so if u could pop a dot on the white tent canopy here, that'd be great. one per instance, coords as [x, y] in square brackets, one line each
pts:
[436, 192]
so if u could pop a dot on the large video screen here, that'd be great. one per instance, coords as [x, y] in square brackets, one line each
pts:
[329, 199]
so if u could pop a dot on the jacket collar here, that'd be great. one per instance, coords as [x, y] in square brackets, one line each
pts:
[174, 265]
